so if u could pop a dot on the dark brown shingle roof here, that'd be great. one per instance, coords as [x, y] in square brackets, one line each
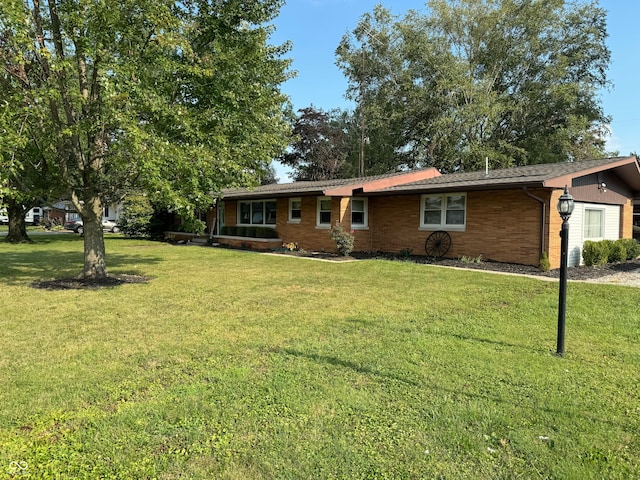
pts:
[553, 175]
[550, 175]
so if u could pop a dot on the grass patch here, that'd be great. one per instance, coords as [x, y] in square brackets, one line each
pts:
[236, 365]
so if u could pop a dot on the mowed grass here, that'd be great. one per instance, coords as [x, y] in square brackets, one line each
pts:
[237, 365]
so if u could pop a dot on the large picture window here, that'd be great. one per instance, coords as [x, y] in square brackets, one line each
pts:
[593, 223]
[447, 211]
[261, 212]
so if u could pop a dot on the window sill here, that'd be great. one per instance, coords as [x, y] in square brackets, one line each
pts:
[446, 228]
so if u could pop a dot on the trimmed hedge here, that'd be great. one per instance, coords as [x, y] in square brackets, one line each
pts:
[609, 251]
[249, 232]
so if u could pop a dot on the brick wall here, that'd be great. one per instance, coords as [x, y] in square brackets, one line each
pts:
[500, 225]
[626, 220]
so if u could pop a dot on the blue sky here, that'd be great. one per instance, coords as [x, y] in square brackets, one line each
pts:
[315, 28]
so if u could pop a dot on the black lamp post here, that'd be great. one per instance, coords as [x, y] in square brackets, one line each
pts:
[565, 209]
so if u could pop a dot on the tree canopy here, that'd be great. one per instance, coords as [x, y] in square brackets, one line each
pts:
[179, 98]
[320, 146]
[512, 81]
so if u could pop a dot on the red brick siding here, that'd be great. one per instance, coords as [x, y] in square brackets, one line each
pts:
[626, 219]
[492, 227]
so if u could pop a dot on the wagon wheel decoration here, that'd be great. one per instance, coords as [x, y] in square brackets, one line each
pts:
[437, 244]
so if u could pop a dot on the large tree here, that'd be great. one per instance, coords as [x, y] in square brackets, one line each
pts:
[514, 81]
[178, 97]
[320, 147]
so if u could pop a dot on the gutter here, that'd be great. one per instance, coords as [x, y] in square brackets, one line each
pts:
[543, 211]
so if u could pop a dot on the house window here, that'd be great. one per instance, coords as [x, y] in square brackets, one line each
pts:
[324, 212]
[262, 212]
[295, 210]
[444, 211]
[593, 223]
[359, 212]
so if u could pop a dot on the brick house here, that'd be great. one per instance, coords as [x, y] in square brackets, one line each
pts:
[506, 215]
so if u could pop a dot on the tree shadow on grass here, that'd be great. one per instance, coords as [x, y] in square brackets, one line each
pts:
[58, 270]
[337, 362]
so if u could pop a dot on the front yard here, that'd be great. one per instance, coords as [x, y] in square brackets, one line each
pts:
[236, 365]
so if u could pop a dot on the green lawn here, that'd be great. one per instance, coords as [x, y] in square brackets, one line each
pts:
[236, 365]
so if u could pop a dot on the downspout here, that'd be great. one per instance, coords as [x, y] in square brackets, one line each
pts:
[543, 216]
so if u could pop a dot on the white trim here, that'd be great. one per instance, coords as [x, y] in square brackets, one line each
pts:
[326, 225]
[603, 216]
[365, 224]
[443, 213]
[264, 211]
[290, 218]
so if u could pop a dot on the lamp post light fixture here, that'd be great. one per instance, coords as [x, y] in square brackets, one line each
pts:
[565, 209]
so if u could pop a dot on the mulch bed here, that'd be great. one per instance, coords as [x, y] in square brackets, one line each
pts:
[88, 283]
[580, 272]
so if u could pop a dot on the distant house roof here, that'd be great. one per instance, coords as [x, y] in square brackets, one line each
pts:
[549, 175]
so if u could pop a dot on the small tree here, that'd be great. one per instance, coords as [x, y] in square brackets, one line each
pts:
[135, 219]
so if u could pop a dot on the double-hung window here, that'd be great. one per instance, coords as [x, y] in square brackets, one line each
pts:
[323, 217]
[260, 212]
[359, 213]
[443, 212]
[295, 210]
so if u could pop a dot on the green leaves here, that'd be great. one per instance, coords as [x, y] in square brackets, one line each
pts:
[511, 81]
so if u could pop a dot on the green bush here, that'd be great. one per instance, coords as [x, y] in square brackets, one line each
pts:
[617, 252]
[241, 231]
[545, 265]
[632, 247]
[135, 219]
[344, 239]
[266, 232]
[595, 253]
[250, 232]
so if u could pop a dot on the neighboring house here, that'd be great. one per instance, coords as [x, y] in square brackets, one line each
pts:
[110, 212]
[506, 215]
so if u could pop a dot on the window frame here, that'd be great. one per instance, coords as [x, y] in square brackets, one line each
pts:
[291, 209]
[320, 224]
[603, 217]
[251, 213]
[365, 213]
[443, 225]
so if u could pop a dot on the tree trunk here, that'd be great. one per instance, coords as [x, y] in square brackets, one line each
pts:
[95, 265]
[17, 226]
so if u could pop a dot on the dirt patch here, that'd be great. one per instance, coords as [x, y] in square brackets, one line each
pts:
[89, 283]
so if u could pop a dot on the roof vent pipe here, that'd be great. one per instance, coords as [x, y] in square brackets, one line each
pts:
[486, 166]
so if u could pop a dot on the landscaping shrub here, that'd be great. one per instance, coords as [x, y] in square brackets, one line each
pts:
[135, 219]
[595, 253]
[617, 252]
[266, 232]
[632, 247]
[251, 231]
[344, 240]
[545, 265]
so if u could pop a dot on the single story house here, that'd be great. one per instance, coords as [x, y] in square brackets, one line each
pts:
[506, 215]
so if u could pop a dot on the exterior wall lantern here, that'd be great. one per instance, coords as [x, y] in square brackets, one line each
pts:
[565, 209]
